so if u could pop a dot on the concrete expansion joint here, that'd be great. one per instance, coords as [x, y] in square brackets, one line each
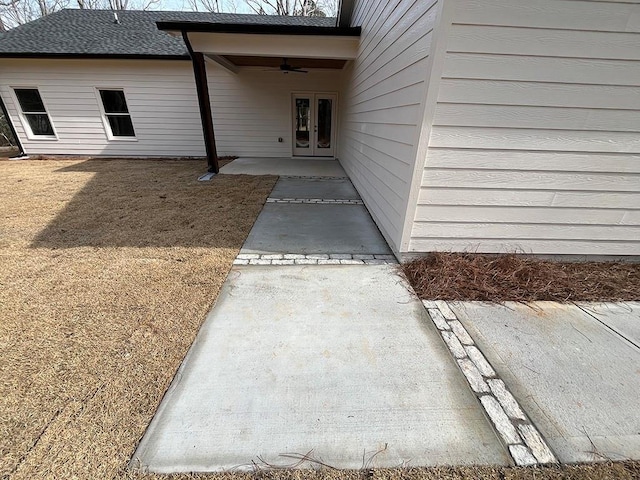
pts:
[313, 259]
[523, 441]
[315, 201]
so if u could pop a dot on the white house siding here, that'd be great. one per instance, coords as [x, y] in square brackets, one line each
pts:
[385, 90]
[160, 95]
[252, 109]
[535, 144]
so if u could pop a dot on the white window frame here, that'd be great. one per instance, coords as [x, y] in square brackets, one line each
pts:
[23, 117]
[105, 121]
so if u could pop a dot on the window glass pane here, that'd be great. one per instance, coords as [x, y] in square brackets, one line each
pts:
[113, 101]
[30, 100]
[121, 126]
[40, 124]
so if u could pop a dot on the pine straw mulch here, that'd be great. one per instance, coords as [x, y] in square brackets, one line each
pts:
[510, 277]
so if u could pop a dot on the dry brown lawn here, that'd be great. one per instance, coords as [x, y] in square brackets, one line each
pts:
[107, 270]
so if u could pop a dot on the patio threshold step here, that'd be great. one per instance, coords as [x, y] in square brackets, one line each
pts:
[280, 259]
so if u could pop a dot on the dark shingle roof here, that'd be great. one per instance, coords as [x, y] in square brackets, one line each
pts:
[94, 32]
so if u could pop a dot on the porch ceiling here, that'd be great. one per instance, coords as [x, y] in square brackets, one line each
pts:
[275, 45]
[275, 62]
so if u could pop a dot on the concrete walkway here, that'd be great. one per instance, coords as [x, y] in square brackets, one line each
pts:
[315, 216]
[316, 350]
[337, 362]
[574, 368]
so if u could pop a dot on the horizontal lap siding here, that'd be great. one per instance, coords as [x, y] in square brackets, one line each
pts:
[383, 105]
[535, 145]
[252, 109]
[160, 96]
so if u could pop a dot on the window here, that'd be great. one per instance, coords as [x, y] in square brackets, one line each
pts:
[117, 113]
[34, 111]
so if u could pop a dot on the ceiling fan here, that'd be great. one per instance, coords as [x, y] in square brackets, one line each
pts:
[285, 67]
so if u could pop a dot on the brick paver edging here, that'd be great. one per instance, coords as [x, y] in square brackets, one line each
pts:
[315, 201]
[525, 444]
[313, 259]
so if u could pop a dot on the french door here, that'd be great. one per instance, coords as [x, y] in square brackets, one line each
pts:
[314, 124]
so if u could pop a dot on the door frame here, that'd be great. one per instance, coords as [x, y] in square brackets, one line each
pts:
[313, 95]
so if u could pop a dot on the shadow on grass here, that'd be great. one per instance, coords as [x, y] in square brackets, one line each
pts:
[8, 152]
[154, 203]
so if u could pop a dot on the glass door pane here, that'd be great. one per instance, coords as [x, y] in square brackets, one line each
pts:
[303, 124]
[314, 124]
[324, 125]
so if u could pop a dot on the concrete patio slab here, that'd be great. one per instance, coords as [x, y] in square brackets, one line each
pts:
[338, 361]
[330, 188]
[576, 378]
[284, 166]
[306, 229]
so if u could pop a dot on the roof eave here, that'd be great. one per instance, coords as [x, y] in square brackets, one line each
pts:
[258, 29]
[114, 56]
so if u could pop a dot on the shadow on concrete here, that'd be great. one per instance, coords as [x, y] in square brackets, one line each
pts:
[153, 203]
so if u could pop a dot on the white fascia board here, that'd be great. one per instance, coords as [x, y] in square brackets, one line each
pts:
[303, 46]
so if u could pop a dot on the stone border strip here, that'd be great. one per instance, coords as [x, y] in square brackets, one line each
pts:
[313, 259]
[315, 201]
[524, 443]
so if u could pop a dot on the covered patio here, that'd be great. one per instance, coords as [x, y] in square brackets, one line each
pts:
[294, 114]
